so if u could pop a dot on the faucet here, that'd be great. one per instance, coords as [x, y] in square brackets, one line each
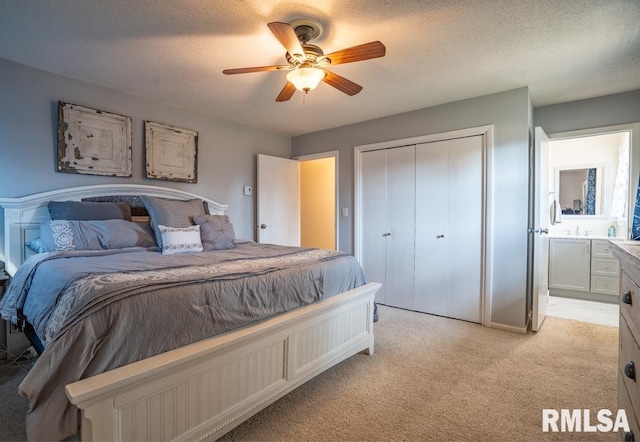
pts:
[586, 232]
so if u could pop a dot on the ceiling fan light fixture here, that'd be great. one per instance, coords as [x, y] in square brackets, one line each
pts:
[306, 78]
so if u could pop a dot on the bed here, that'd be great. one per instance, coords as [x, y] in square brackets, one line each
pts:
[202, 374]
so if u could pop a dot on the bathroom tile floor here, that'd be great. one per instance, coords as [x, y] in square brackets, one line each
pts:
[582, 310]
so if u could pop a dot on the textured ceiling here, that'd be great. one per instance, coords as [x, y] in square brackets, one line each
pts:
[438, 51]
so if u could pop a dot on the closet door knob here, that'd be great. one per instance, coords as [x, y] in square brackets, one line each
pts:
[440, 236]
[386, 234]
[630, 370]
[626, 298]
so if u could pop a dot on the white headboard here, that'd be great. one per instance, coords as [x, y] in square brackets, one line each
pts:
[23, 215]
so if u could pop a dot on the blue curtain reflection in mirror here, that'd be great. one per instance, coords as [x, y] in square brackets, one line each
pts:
[590, 204]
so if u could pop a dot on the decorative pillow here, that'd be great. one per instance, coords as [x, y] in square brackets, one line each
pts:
[60, 235]
[88, 211]
[174, 213]
[180, 239]
[216, 232]
[36, 245]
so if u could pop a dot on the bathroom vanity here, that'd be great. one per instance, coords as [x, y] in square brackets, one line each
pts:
[584, 268]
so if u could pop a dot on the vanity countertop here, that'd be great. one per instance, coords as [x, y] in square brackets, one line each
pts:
[584, 237]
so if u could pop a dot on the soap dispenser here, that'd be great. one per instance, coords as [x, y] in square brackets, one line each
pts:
[612, 232]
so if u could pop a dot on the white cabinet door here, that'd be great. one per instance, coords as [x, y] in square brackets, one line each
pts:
[449, 204]
[570, 264]
[374, 219]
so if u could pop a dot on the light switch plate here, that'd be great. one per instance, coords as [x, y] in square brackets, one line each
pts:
[247, 190]
[344, 212]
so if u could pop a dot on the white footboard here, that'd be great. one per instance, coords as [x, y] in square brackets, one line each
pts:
[201, 391]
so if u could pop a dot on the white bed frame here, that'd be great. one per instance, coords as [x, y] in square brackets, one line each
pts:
[203, 390]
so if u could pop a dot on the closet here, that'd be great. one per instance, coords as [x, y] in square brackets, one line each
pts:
[422, 225]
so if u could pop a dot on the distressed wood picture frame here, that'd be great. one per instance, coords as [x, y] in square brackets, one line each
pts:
[93, 142]
[171, 152]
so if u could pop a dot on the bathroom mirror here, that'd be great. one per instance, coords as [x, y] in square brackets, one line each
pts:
[580, 190]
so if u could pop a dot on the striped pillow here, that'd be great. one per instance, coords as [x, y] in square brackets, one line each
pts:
[169, 212]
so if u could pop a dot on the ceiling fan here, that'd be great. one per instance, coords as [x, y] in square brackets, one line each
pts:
[307, 62]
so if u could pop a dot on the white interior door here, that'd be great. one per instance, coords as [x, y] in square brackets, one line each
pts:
[278, 201]
[540, 229]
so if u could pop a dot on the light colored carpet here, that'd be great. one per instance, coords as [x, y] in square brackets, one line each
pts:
[439, 379]
[13, 407]
[433, 378]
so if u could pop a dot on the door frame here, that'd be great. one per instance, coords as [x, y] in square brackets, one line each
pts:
[318, 156]
[487, 210]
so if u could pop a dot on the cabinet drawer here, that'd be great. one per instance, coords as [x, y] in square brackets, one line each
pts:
[601, 248]
[607, 285]
[605, 266]
[630, 311]
[624, 402]
[629, 354]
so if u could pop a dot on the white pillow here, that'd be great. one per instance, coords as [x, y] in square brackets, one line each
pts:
[180, 239]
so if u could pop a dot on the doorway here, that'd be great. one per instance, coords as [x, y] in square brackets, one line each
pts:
[592, 186]
[319, 200]
[297, 200]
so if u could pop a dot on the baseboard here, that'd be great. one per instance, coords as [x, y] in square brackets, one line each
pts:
[511, 328]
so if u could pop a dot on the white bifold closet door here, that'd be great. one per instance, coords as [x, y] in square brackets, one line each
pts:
[374, 216]
[422, 216]
[388, 214]
[449, 214]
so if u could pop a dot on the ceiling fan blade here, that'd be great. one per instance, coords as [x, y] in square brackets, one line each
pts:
[361, 52]
[256, 69]
[341, 83]
[287, 36]
[286, 93]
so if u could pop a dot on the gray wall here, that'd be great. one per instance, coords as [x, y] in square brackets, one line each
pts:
[609, 110]
[28, 118]
[509, 112]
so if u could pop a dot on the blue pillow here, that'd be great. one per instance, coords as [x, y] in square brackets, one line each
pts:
[62, 235]
[88, 211]
[36, 245]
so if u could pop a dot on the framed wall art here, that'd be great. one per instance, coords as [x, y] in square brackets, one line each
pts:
[93, 142]
[171, 152]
